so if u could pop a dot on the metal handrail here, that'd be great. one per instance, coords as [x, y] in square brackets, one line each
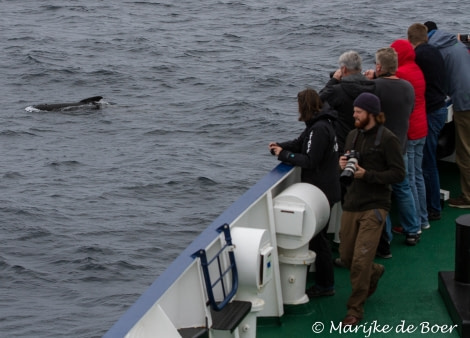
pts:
[202, 255]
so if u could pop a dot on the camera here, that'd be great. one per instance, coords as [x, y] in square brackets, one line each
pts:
[347, 175]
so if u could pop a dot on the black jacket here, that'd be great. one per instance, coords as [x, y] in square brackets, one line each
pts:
[316, 152]
[430, 60]
[340, 95]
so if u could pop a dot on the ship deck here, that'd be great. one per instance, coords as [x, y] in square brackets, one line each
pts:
[407, 302]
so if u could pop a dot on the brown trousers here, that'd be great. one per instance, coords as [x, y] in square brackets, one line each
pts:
[359, 237]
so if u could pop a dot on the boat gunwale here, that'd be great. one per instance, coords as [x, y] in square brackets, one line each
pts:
[181, 263]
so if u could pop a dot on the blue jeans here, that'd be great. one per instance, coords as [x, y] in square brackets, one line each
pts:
[436, 121]
[403, 197]
[414, 152]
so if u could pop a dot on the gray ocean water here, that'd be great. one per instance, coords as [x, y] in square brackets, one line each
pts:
[96, 203]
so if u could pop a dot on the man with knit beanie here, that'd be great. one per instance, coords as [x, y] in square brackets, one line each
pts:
[367, 200]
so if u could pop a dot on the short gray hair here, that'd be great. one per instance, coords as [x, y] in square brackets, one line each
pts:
[351, 60]
[387, 57]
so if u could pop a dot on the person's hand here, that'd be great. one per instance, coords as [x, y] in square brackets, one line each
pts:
[274, 148]
[342, 161]
[360, 172]
[338, 74]
[370, 74]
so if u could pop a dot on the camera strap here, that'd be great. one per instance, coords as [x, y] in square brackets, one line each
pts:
[378, 136]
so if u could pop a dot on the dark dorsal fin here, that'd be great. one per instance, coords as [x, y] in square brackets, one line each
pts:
[91, 99]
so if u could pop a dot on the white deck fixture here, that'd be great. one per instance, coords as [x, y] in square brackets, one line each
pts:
[253, 254]
[300, 212]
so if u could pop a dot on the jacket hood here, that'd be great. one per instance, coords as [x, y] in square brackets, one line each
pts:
[405, 51]
[441, 39]
[355, 84]
[325, 113]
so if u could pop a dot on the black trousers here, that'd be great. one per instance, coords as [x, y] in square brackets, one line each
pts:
[324, 270]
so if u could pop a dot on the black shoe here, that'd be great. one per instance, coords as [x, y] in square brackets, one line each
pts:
[383, 249]
[339, 263]
[434, 216]
[412, 240]
[316, 291]
[384, 254]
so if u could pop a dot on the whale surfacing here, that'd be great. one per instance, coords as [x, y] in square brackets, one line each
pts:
[93, 102]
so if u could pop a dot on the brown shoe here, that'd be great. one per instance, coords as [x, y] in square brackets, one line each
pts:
[459, 202]
[374, 280]
[350, 320]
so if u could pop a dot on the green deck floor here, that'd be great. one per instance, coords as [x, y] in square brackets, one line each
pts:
[407, 296]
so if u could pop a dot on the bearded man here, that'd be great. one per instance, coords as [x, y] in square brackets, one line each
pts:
[368, 199]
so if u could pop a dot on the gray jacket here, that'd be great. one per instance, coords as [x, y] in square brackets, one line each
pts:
[457, 64]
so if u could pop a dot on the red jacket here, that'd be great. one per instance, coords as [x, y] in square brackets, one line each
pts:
[410, 71]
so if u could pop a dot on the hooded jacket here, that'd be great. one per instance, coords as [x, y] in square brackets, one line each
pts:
[410, 71]
[457, 64]
[340, 95]
[316, 152]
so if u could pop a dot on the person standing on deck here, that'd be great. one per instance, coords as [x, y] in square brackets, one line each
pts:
[316, 152]
[418, 128]
[397, 99]
[431, 63]
[457, 85]
[345, 84]
[367, 200]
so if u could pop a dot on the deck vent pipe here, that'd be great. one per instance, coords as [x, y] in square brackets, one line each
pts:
[462, 249]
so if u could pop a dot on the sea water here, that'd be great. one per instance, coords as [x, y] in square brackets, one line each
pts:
[96, 203]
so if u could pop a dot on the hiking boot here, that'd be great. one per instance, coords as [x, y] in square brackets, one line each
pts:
[459, 202]
[316, 291]
[412, 240]
[374, 279]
